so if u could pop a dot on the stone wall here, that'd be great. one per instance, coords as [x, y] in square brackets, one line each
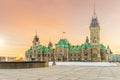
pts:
[20, 65]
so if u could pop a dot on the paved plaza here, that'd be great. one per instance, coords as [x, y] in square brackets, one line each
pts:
[62, 73]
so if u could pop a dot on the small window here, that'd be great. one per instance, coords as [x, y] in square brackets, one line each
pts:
[74, 59]
[60, 50]
[94, 55]
[30, 56]
[34, 51]
[38, 55]
[45, 55]
[48, 55]
[74, 54]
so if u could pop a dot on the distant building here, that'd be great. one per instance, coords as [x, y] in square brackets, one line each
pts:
[3, 58]
[116, 58]
[64, 51]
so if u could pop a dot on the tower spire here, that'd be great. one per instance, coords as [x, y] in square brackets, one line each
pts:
[94, 12]
[94, 22]
[36, 38]
[94, 9]
[50, 43]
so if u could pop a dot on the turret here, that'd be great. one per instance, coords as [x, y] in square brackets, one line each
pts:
[94, 30]
[50, 44]
[36, 41]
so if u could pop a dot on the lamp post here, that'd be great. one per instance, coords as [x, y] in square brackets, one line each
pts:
[53, 58]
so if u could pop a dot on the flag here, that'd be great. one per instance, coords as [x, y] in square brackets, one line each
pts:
[64, 32]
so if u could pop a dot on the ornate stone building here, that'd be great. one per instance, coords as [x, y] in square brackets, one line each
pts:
[64, 51]
[38, 52]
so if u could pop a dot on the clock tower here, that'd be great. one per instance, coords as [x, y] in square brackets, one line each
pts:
[95, 38]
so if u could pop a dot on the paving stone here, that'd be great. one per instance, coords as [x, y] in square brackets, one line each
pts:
[62, 73]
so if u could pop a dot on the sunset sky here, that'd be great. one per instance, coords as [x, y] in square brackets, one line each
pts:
[20, 19]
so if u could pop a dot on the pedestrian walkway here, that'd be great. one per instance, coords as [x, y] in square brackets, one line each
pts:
[62, 73]
[84, 63]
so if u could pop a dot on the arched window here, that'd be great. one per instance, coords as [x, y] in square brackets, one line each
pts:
[74, 54]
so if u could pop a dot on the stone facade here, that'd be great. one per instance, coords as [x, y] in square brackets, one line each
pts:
[64, 51]
[22, 65]
[38, 52]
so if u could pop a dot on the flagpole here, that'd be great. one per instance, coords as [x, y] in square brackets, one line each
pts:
[63, 34]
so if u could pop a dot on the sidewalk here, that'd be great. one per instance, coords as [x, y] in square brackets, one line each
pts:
[62, 73]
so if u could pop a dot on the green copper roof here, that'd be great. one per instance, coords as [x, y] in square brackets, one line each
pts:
[47, 49]
[71, 48]
[29, 51]
[85, 45]
[39, 48]
[43, 48]
[62, 42]
[74, 48]
[50, 49]
[102, 47]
